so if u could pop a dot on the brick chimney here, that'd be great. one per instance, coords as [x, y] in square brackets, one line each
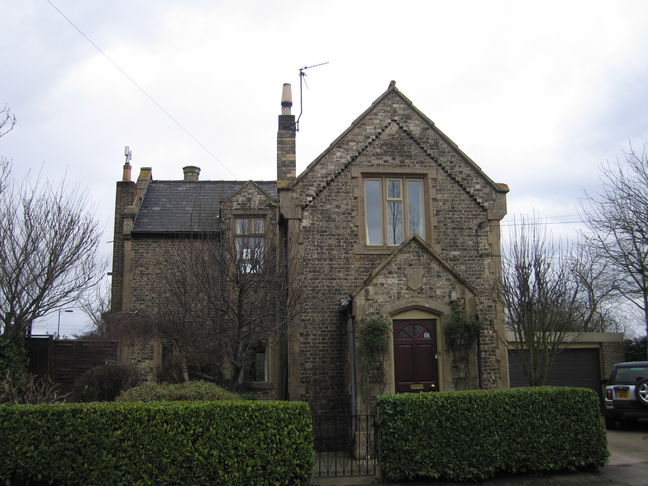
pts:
[191, 173]
[286, 156]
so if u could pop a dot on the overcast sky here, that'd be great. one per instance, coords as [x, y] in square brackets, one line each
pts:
[537, 93]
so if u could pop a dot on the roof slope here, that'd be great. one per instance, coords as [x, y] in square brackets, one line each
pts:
[187, 206]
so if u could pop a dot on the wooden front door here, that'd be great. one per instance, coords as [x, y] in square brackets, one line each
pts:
[415, 355]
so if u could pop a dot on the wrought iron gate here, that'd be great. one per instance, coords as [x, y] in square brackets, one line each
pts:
[345, 445]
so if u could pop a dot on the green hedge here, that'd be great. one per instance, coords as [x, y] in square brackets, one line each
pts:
[189, 390]
[476, 434]
[157, 443]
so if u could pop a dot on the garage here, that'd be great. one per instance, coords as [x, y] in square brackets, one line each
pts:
[571, 367]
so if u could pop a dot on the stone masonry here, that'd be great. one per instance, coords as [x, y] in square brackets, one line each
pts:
[318, 219]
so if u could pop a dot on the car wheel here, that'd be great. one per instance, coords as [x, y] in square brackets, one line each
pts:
[642, 392]
[610, 423]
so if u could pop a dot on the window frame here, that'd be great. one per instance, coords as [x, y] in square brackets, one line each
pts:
[405, 202]
[245, 264]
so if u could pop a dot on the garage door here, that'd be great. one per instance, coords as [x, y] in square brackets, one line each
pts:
[571, 367]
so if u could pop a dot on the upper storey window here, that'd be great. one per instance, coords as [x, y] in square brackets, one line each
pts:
[249, 240]
[394, 209]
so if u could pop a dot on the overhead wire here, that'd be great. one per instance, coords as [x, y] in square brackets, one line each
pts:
[151, 98]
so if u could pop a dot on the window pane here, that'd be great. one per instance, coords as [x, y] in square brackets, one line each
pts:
[373, 212]
[394, 223]
[394, 189]
[241, 226]
[249, 251]
[415, 214]
[257, 225]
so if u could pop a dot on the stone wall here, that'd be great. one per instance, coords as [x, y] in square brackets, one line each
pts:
[462, 206]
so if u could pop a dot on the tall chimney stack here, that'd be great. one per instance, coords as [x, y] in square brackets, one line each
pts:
[286, 155]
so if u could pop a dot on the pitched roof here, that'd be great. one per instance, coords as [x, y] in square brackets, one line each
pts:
[187, 206]
[325, 178]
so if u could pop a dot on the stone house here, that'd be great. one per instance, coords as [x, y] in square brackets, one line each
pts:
[393, 220]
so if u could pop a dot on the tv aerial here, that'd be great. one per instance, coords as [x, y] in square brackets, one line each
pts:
[302, 80]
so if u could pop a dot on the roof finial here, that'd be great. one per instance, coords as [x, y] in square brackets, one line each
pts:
[392, 84]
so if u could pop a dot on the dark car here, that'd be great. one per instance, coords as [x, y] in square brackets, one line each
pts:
[626, 393]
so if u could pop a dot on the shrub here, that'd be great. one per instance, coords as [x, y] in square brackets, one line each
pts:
[103, 383]
[476, 434]
[635, 348]
[27, 388]
[13, 356]
[461, 330]
[157, 443]
[189, 390]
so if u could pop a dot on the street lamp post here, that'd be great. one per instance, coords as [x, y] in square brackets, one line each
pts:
[58, 326]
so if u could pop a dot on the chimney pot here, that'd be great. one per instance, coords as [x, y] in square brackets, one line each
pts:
[126, 175]
[286, 99]
[191, 173]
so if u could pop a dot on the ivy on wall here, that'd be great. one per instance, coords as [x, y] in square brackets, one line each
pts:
[461, 330]
[461, 333]
[373, 341]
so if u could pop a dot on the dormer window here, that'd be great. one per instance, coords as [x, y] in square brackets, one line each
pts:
[394, 209]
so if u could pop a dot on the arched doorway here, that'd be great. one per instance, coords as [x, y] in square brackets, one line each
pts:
[415, 355]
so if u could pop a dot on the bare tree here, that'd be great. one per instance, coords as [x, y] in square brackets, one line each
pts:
[94, 304]
[7, 120]
[48, 252]
[549, 290]
[226, 298]
[594, 289]
[617, 220]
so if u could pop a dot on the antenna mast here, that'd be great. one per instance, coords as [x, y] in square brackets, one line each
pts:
[302, 75]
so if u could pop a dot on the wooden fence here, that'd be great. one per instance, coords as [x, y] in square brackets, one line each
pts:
[64, 360]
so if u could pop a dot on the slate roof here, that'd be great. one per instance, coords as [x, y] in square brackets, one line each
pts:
[181, 206]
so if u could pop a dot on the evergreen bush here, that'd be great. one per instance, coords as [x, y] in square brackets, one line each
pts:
[473, 435]
[157, 443]
[189, 390]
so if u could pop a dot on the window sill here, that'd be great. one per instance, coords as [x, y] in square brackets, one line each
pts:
[360, 249]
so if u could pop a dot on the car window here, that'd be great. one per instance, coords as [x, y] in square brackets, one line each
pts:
[631, 375]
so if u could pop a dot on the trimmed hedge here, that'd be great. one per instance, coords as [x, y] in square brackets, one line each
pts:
[476, 434]
[157, 443]
[189, 390]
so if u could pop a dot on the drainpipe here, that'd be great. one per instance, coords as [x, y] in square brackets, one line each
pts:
[348, 305]
[354, 392]
[479, 364]
[285, 392]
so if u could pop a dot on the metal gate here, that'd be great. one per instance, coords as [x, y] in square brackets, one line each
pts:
[345, 445]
